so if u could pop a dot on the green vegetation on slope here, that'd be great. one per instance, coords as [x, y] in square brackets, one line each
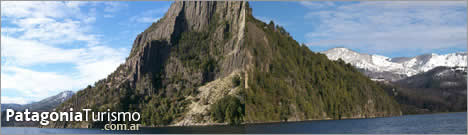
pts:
[289, 82]
[428, 92]
[160, 97]
[229, 109]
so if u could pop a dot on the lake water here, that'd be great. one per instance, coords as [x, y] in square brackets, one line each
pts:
[447, 123]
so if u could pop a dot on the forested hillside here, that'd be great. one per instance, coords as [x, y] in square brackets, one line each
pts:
[288, 82]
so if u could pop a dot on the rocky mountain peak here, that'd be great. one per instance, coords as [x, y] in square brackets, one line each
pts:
[340, 49]
[190, 16]
[151, 48]
[66, 94]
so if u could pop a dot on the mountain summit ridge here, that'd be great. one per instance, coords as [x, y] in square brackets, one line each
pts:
[401, 66]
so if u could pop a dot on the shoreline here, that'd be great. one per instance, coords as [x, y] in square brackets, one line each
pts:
[310, 120]
[434, 113]
[247, 124]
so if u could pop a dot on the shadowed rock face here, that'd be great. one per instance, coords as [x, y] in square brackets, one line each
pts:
[195, 43]
[151, 51]
[193, 66]
[151, 48]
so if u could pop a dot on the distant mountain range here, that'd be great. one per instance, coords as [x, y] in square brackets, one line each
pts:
[442, 89]
[446, 78]
[422, 84]
[46, 104]
[393, 69]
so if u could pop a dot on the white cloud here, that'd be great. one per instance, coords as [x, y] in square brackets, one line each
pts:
[387, 27]
[114, 6]
[12, 30]
[149, 16]
[92, 64]
[35, 84]
[57, 32]
[98, 62]
[52, 22]
[36, 9]
[267, 20]
[146, 19]
[30, 52]
[15, 100]
[317, 4]
[43, 34]
[40, 9]
[108, 16]
[91, 16]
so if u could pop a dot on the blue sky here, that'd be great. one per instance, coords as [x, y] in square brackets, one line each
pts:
[49, 47]
[392, 29]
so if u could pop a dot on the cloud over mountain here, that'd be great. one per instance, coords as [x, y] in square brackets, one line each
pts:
[388, 27]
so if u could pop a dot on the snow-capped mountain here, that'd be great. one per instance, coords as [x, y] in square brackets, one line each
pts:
[62, 96]
[43, 105]
[377, 66]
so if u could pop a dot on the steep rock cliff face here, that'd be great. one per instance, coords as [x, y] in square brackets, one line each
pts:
[152, 48]
[173, 66]
[212, 62]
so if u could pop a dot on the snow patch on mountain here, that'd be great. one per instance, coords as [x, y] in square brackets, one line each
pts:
[407, 66]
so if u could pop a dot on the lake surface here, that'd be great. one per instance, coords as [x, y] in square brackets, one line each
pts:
[446, 123]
